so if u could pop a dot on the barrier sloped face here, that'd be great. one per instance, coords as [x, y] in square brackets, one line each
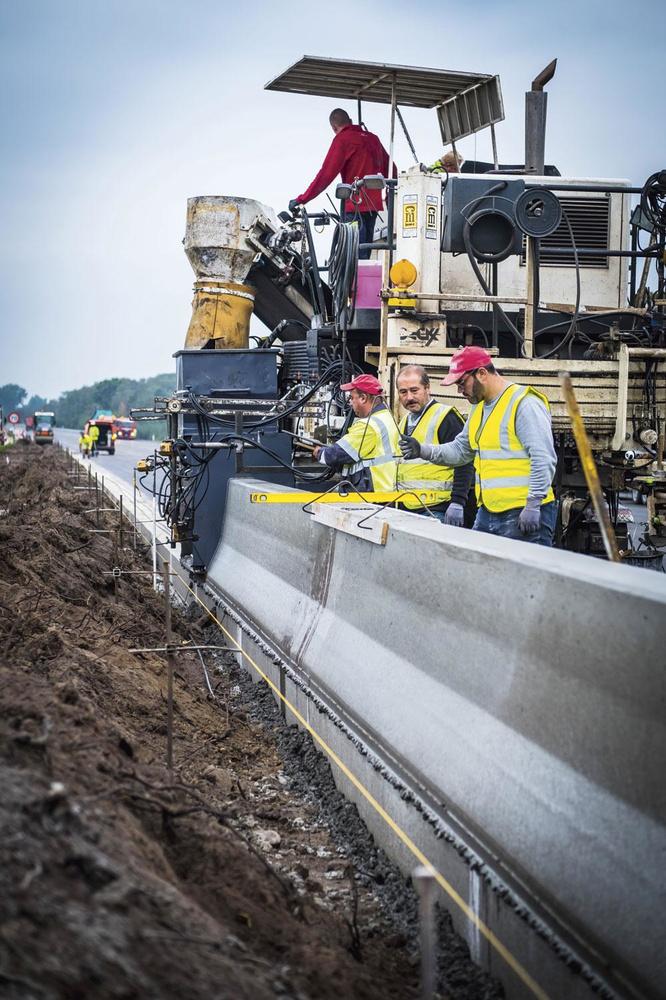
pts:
[525, 687]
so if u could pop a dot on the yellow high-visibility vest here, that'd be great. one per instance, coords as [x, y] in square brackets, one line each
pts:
[502, 465]
[94, 432]
[417, 474]
[373, 443]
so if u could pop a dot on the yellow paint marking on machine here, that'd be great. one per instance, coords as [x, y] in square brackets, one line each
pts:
[427, 497]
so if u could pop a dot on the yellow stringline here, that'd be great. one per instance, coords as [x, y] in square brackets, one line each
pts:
[501, 949]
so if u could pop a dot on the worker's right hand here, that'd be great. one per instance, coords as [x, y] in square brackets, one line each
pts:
[409, 447]
[294, 205]
[529, 519]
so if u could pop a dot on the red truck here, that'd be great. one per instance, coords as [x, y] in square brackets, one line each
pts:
[125, 428]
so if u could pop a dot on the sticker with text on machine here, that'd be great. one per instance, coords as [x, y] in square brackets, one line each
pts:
[432, 204]
[410, 215]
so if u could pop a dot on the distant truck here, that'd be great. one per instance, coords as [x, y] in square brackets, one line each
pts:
[43, 423]
[106, 440]
[125, 428]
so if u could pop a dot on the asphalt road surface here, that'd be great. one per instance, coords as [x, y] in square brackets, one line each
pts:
[122, 464]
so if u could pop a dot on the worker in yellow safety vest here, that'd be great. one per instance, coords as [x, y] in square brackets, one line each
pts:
[431, 422]
[84, 443]
[93, 431]
[368, 453]
[449, 163]
[510, 438]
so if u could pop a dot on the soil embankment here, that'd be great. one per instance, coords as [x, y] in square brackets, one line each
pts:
[120, 880]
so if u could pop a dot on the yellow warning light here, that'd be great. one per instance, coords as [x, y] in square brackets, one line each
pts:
[403, 274]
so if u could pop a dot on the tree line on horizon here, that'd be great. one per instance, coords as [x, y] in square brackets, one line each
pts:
[73, 407]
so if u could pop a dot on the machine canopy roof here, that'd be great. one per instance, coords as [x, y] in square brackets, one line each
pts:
[368, 81]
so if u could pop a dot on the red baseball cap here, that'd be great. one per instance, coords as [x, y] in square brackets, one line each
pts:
[467, 360]
[365, 383]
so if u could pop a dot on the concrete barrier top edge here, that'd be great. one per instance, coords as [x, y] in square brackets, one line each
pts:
[632, 580]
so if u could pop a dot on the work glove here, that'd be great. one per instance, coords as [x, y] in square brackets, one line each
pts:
[529, 519]
[410, 447]
[294, 205]
[455, 515]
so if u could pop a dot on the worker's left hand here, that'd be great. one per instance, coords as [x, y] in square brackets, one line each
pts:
[529, 519]
[294, 205]
[455, 515]
[316, 452]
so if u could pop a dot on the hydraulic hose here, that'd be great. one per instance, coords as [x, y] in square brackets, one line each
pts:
[343, 272]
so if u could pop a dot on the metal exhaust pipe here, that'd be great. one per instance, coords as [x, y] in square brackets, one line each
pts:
[536, 103]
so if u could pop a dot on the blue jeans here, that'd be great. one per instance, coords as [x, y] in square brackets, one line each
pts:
[367, 232]
[506, 524]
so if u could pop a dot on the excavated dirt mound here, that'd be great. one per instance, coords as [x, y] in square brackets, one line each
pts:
[120, 879]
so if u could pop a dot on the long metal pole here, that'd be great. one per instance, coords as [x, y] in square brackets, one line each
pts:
[589, 468]
[166, 576]
[392, 135]
[493, 138]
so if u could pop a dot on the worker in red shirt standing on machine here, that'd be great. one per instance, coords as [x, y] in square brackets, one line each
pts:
[354, 153]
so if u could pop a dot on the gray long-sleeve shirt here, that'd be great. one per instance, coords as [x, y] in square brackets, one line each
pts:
[534, 431]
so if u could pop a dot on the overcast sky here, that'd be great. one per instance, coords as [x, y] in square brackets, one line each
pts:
[114, 112]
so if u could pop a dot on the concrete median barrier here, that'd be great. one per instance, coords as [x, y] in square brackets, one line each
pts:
[523, 688]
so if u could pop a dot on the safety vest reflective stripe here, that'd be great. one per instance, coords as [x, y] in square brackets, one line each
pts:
[376, 451]
[502, 465]
[416, 474]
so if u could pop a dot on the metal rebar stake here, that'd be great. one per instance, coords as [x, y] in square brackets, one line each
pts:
[154, 520]
[115, 560]
[424, 883]
[134, 504]
[120, 519]
[166, 576]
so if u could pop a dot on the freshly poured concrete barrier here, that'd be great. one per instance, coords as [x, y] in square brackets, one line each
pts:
[524, 687]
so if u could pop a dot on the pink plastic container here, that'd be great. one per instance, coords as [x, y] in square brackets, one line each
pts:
[369, 284]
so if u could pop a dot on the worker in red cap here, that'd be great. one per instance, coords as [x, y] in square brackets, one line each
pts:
[509, 437]
[367, 453]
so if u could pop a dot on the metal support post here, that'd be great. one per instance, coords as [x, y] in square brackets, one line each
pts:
[528, 345]
[392, 135]
[238, 429]
[632, 266]
[120, 519]
[166, 576]
[154, 520]
[493, 139]
[134, 505]
[96, 500]
[424, 882]
[493, 288]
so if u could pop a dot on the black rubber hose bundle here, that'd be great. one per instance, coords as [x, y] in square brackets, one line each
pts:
[343, 270]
